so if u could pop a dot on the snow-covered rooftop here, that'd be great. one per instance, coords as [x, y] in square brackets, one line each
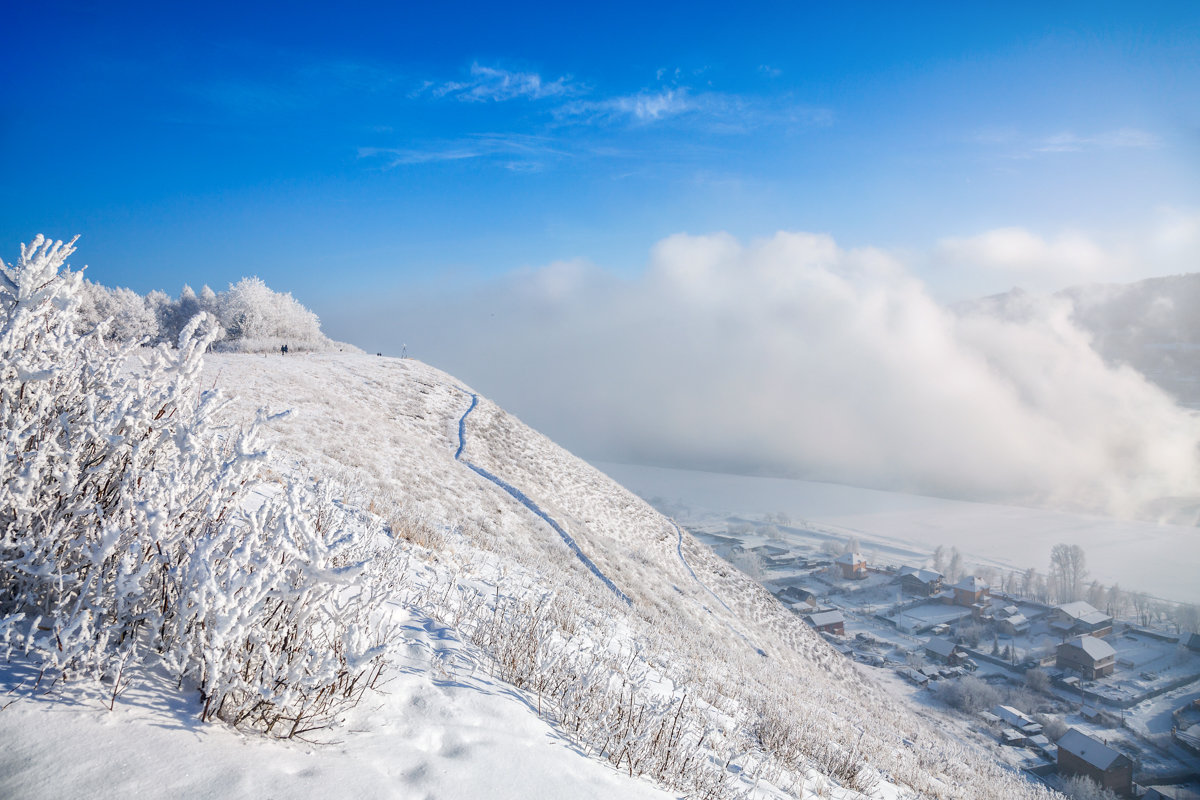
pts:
[923, 575]
[1096, 648]
[823, 618]
[971, 584]
[1093, 751]
[941, 647]
[1083, 612]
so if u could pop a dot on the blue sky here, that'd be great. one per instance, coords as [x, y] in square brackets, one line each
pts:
[399, 144]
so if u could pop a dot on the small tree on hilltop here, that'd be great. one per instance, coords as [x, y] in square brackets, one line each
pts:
[257, 316]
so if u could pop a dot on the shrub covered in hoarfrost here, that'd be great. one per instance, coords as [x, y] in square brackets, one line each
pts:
[126, 529]
[254, 317]
[258, 318]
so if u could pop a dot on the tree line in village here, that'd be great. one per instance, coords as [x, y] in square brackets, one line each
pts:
[1066, 581]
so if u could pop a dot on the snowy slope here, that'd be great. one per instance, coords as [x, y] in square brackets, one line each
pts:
[546, 614]
[443, 733]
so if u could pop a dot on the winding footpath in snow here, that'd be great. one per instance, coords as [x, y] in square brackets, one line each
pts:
[692, 572]
[521, 498]
[705, 586]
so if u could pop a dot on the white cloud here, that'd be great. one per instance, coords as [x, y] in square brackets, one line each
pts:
[527, 149]
[497, 85]
[1070, 257]
[795, 355]
[641, 107]
[1168, 243]
[1123, 138]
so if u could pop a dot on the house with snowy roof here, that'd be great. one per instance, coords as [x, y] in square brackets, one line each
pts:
[828, 622]
[944, 651]
[798, 596]
[1080, 754]
[1078, 618]
[1012, 621]
[854, 565]
[1022, 722]
[920, 582]
[1091, 657]
[969, 591]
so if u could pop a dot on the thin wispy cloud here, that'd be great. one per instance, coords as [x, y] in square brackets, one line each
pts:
[1124, 138]
[1023, 145]
[717, 112]
[517, 153]
[495, 84]
[640, 107]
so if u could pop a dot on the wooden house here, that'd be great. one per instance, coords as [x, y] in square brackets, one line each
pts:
[920, 582]
[1091, 657]
[854, 565]
[1079, 618]
[828, 622]
[969, 591]
[1080, 754]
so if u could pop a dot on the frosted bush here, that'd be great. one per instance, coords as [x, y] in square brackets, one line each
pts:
[125, 314]
[125, 529]
[1081, 787]
[258, 318]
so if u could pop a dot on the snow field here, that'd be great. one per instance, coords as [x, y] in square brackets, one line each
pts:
[440, 728]
[514, 670]
[681, 636]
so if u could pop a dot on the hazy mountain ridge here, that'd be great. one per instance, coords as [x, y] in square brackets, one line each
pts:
[1152, 325]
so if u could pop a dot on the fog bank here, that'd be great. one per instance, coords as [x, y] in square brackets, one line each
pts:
[793, 356]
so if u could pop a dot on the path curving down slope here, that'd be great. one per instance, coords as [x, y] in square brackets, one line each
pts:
[707, 588]
[692, 572]
[521, 498]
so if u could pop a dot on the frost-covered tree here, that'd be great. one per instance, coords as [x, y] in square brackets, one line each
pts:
[1037, 679]
[253, 316]
[208, 301]
[954, 570]
[124, 314]
[969, 694]
[939, 558]
[1081, 787]
[1068, 569]
[175, 315]
[257, 318]
[124, 529]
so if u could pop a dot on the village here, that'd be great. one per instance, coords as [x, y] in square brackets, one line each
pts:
[1057, 690]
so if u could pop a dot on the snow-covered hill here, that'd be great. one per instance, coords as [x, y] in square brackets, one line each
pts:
[557, 637]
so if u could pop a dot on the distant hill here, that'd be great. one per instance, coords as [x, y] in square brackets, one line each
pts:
[1151, 325]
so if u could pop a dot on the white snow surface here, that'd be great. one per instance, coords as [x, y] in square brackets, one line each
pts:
[448, 735]
[1158, 559]
[446, 725]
